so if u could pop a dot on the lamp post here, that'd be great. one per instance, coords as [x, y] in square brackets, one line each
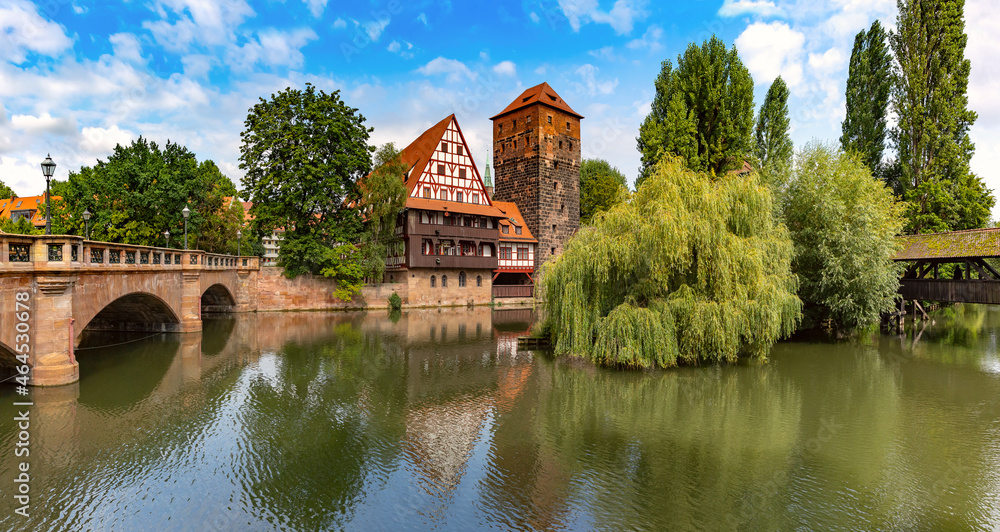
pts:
[166, 234]
[86, 221]
[186, 212]
[239, 242]
[48, 169]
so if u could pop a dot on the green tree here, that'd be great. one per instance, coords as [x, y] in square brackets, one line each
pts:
[383, 195]
[7, 192]
[774, 146]
[694, 268]
[844, 224]
[219, 232]
[602, 186]
[22, 226]
[702, 111]
[139, 193]
[931, 137]
[303, 152]
[868, 86]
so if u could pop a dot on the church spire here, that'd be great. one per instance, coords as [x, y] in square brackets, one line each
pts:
[487, 181]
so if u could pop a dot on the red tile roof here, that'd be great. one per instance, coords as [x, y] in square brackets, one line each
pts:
[543, 94]
[511, 212]
[454, 206]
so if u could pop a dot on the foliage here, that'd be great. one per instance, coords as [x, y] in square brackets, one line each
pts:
[702, 111]
[7, 192]
[395, 302]
[139, 192]
[343, 264]
[844, 224]
[602, 186]
[22, 226]
[383, 195]
[868, 87]
[303, 152]
[694, 268]
[930, 98]
[774, 146]
[219, 233]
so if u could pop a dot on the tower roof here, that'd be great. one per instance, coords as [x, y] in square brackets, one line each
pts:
[539, 94]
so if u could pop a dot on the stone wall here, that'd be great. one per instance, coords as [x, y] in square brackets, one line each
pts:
[309, 292]
[422, 294]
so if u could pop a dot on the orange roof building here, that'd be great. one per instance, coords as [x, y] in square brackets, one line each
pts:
[449, 226]
[31, 207]
[517, 245]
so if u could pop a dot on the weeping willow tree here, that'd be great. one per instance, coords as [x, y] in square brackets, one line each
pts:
[383, 196]
[693, 269]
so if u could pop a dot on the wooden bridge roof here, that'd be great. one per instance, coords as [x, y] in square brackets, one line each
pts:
[952, 245]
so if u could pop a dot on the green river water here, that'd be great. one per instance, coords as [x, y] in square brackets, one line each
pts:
[434, 420]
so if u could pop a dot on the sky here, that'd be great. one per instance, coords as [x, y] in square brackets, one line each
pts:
[78, 77]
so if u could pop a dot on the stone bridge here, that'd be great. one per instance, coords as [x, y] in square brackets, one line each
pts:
[54, 287]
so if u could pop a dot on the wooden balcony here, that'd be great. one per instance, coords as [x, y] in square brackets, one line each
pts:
[454, 232]
[470, 262]
[516, 290]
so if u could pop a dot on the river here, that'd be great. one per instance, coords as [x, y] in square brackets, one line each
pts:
[433, 420]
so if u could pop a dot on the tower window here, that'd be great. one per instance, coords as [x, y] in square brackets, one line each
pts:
[555, 185]
[550, 119]
[553, 251]
[570, 145]
[567, 125]
[556, 165]
[562, 208]
[515, 124]
[515, 144]
[444, 147]
[553, 228]
[560, 144]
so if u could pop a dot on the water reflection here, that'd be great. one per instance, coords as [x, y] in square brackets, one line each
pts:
[434, 419]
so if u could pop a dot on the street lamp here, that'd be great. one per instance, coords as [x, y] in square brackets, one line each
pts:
[48, 169]
[166, 235]
[86, 221]
[186, 212]
[239, 235]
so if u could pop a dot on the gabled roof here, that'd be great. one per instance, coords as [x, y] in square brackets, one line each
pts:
[23, 203]
[543, 94]
[419, 152]
[952, 245]
[512, 216]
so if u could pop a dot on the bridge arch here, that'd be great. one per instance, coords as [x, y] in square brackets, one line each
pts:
[218, 298]
[8, 363]
[136, 311]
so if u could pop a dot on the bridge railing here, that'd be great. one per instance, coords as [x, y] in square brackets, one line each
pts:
[59, 252]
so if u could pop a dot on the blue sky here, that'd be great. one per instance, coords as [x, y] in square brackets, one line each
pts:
[78, 76]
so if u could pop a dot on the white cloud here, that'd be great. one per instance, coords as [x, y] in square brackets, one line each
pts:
[505, 68]
[762, 8]
[24, 31]
[621, 18]
[36, 125]
[126, 47]
[649, 40]
[454, 69]
[209, 22]
[375, 28]
[606, 53]
[593, 86]
[394, 46]
[339, 24]
[534, 17]
[99, 141]
[316, 7]
[79, 10]
[770, 50]
[423, 19]
[272, 48]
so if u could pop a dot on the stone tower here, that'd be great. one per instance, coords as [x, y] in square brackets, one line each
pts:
[536, 160]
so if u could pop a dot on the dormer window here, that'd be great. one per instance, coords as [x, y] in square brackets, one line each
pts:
[505, 229]
[517, 230]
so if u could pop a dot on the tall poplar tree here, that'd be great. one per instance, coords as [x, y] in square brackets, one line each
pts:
[868, 86]
[702, 111]
[774, 146]
[932, 135]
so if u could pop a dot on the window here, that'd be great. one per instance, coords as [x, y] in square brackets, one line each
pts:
[517, 230]
[485, 250]
[550, 119]
[570, 145]
[479, 282]
[556, 166]
[461, 279]
[505, 253]
[458, 197]
[515, 124]
[553, 228]
[444, 147]
[515, 144]
[522, 253]
[560, 144]
[461, 173]
[427, 192]
[475, 198]
[444, 281]
[424, 219]
[444, 194]
[562, 208]
[432, 281]
[505, 229]
[553, 251]
[428, 247]
[458, 150]
[567, 125]
[501, 129]
[440, 169]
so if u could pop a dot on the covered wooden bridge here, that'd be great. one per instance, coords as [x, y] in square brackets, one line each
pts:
[952, 267]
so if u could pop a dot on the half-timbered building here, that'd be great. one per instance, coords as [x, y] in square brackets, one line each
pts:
[449, 225]
[516, 264]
